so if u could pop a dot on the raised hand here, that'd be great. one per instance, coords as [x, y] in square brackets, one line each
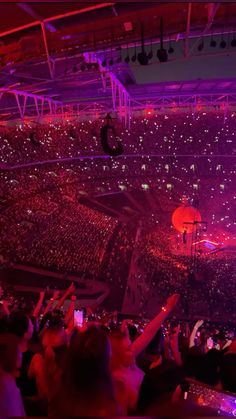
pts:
[172, 301]
[71, 289]
[199, 324]
[56, 295]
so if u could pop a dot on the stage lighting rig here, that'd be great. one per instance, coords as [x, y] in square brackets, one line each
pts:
[161, 52]
[142, 56]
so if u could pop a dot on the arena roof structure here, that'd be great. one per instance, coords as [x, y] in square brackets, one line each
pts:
[75, 57]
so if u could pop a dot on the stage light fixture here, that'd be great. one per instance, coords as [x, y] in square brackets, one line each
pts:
[162, 55]
[222, 43]
[143, 58]
[134, 57]
[213, 43]
[161, 52]
[233, 42]
[170, 49]
[200, 45]
[127, 59]
[150, 54]
[83, 67]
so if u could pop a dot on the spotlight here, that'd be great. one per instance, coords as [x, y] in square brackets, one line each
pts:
[150, 55]
[134, 57]
[143, 58]
[89, 66]
[171, 49]
[127, 59]
[233, 42]
[201, 45]
[162, 55]
[213, 43]
[223, 43]
[83, 67]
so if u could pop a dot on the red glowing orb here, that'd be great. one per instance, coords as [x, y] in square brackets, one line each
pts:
[185, 214]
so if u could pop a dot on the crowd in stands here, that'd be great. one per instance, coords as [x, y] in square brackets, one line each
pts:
[209, 132]
[72, 238]
[69, 237]
[42, 215]
[50, 365]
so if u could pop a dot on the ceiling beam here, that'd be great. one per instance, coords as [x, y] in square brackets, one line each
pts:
[51, 65]
[56, 17]
[27, 8]
[80, 11]
[18, 94]
[23, 93]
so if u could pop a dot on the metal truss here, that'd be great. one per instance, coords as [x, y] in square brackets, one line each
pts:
[41, 103]
[121, 99]
[44, 23]
[186, 100]
[163, 103]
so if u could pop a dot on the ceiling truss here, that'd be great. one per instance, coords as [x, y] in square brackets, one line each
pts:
[43, 105]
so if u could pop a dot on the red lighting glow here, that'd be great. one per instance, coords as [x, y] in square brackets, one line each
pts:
[149, 111]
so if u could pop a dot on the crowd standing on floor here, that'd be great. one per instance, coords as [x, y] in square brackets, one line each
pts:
[51, 366]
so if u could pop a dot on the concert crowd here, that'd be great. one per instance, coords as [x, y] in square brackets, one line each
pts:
[50, 364]
[64, 217]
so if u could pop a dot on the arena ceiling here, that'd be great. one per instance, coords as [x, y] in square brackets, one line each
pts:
[43, 50]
